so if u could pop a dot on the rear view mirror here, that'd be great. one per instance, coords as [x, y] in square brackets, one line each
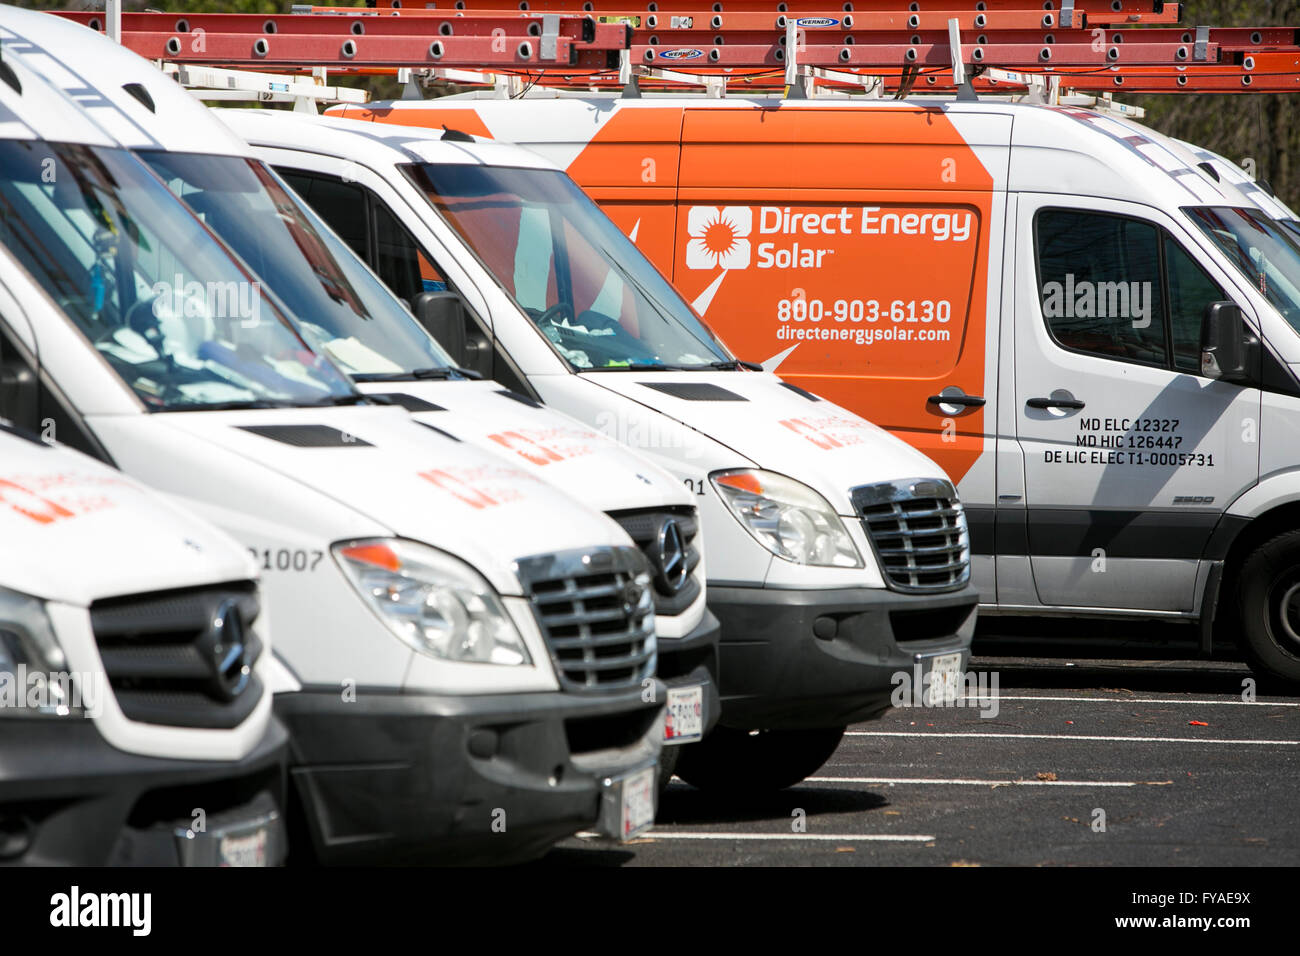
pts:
[18, 394]
[444, 316]
[1223, 342]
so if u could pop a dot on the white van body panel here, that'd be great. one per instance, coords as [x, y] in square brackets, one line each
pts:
[75, 532]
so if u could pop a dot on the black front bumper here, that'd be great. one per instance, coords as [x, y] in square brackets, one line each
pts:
[69, 798]
[801, 659]
[693, 660]
[423, 778]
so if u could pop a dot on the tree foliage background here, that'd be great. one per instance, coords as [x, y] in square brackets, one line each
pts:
[1255, 127]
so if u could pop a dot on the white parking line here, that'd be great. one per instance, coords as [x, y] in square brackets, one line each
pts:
[907, 781]
[1147, 700]
[1140, 740]
[837, 837]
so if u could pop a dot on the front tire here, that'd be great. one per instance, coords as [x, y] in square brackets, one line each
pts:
[1268, 595]
[738, 761]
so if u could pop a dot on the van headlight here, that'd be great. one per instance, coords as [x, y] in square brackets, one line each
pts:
[787, 517]
[433, 602]
[34, 678]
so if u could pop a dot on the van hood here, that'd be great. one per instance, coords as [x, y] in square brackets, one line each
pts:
[556, 448]
[778, 427]
[418, 483]
[75, 531]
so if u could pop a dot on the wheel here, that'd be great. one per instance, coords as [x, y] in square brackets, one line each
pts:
[741, 761]
[668, 764]
[1268, 597]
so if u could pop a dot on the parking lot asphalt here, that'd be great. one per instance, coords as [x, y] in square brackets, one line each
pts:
[1086, 761]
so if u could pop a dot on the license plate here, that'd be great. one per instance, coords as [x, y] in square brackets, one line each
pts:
[638, 804]
[627, 805]
[684, 717]
[258, 842]
[945, 678]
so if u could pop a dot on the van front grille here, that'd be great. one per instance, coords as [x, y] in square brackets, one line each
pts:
[596, 612]
[673, 556]
[182, 658]
[917, 528]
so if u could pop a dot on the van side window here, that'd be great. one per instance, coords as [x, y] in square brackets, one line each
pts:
[399, 261]
[30, 405]
[342, 205]
[1099, 285]
[1190, 291]
[371, 230]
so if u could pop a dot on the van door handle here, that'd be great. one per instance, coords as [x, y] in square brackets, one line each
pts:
[957, 398]
[1054, 403]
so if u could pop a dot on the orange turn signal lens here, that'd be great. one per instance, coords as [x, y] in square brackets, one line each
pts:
[742, 482]
[379, 555]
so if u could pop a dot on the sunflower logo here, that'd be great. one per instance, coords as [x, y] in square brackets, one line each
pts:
[719, 237]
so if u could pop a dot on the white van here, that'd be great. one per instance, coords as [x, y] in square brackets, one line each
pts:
[351, 316]
[135, 714]
[470, 649]
[532, 285]
[1115, 382]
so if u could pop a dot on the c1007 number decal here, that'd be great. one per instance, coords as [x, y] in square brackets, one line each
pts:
[286, 559]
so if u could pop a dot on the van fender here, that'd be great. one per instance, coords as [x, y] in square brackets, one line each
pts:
[1273, 491]
[1279, 490]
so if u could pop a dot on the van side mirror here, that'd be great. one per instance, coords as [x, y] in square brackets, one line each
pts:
[1223, 342]
[19, 394]
[444, 316]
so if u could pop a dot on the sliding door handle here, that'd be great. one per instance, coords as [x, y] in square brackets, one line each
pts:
[1073, 403]
[967, 401]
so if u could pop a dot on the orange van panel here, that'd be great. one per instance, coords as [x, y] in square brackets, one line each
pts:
[861, 238]
[467, 121]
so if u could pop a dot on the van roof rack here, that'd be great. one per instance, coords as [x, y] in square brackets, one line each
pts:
[1078, 52]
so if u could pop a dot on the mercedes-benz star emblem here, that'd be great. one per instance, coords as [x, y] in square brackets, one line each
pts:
[671, 556]
[228, 651]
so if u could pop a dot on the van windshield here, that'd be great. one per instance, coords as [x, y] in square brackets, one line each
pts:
[575, 275]
[339, 304]
[159, 298]
[1262, 250]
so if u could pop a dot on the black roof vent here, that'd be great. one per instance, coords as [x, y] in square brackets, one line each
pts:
[9, 76]
[138, 91]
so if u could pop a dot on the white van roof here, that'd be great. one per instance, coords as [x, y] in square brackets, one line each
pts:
[118, 89]
[30, 108]
[376, 143]
[1056, 149]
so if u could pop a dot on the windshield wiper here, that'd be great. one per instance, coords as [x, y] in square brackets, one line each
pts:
[727, 366]
[440, 373]
[354, 398]
[731, 365]
[233, 405]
